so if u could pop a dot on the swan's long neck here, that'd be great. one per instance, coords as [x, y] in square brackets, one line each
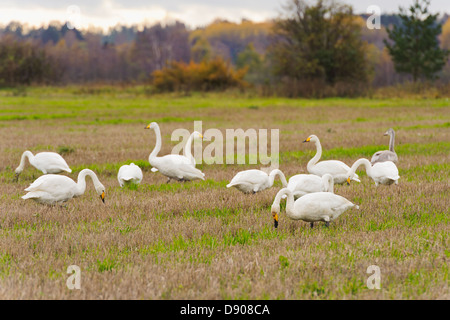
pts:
[365, 163]
[277, 172]
[187, 149]
[391, 141]
[157, 148]
[289, 202]
[81, 182]
[316, 158]
[328, 182]
[26, 154]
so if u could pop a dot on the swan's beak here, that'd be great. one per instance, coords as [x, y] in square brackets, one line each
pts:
[386, 133]
[275, 219]
[147, 127]
[307, 140]
[348, 181]
[201, 136]
[102, 196]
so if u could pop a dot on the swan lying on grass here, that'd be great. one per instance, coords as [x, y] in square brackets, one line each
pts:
[56, 189]
[381, 172]
[336, 168]
[252, 181]
[47, 162]
[312, 207]
[129, 174]
[173, 166]
[386, 155]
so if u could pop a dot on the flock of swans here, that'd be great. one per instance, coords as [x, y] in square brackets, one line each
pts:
[309, 197]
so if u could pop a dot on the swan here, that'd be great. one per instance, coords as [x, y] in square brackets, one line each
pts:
[381, 172]
[312, 207]
[47, 162]
[252, 181]
[129, 174]
[302, 184]
[173, 166]
[386, 155]
[337, 169]
[56, 189]
[187, 148]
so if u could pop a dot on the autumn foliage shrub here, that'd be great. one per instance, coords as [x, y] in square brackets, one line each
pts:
[213, 75]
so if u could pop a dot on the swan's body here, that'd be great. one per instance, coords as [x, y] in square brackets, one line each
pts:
[56, 189]
[302, 184]
[386, 155]
[187, 149]
[47, 162]
[173, 166]
[252, 181]
[337, 169]
[129, 174]
[381, 172]
[312, 207]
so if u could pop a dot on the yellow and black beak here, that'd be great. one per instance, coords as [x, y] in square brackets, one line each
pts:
[348, 181]
[201, 136]
[307, 140]
[275, 220]
[102, 196]
[147, 127]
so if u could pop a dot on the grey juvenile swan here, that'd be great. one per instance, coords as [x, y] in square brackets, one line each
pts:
[386, 155]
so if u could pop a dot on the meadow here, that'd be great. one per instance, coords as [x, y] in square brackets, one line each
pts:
[200, 240]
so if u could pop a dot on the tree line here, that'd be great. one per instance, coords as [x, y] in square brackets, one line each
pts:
[322, 48]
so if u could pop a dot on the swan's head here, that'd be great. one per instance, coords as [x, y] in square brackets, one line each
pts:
[389, 132]
[311, 138]
[152, 125]
[18, 171]
[197, 135]
[100, 189]
[275, 212]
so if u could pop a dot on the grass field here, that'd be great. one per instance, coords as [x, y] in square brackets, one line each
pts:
[200, 240]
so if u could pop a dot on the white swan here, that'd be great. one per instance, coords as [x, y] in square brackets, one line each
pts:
[336, 168]
[252, 181]
[381, 172]
[56, 189]
[187, 148]
[302, 184]
[129, 174]
[173, 166]
[386, 155]
[312, 207]
[47, 162]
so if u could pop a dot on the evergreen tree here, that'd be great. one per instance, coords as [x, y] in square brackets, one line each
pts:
[414, 45]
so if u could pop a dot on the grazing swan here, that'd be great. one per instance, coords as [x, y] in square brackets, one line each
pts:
[336, 168]
[173, 166]
[129, 174]
[56, 189]
[312, 207]
[381, 172]
[302, 184]
[386, 155]
[252, 181]
[47, 162]
[187, 148]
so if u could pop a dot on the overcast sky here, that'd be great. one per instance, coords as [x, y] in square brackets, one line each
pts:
[106, 13]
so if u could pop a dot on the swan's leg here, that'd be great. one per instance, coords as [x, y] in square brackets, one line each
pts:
[311, 225]
[168, 180]
[327, 223]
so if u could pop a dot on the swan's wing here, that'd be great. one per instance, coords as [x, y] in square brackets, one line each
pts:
[255, 177]
[382, 156]
[333, 167]
[187, 170]
[50, 161]
[305, 183]
[51, 183]
[385, 169]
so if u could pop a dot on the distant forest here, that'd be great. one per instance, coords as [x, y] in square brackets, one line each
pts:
[132, 54]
